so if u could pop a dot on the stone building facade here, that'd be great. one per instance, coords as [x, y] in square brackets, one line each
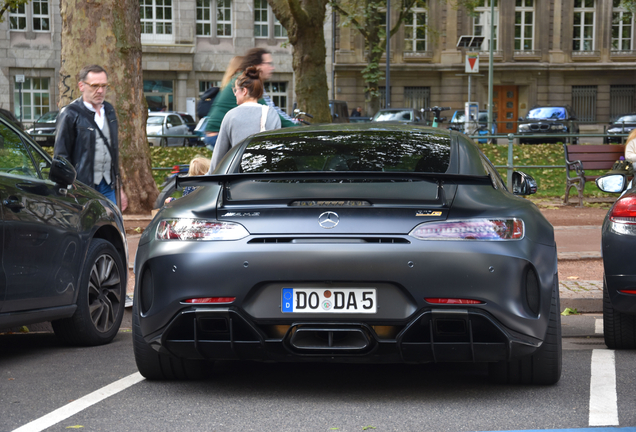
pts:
[187, 45]
[547, 52]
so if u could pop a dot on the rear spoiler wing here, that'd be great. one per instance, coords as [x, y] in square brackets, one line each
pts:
[438, 178]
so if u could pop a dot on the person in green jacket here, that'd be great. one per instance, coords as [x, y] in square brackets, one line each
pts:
[225, 100]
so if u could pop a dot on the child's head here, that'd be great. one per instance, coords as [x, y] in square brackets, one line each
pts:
[199, 166]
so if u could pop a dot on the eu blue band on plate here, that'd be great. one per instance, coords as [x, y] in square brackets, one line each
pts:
[288, 300]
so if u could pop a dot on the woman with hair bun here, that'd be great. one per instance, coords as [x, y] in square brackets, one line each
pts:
[248, 118]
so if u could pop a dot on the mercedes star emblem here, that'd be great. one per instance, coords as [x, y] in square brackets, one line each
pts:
[328, 220]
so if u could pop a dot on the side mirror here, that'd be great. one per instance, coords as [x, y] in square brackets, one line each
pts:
[169, 125]
[612, 183]
[523, 184]
[520, 118]
[62, 173]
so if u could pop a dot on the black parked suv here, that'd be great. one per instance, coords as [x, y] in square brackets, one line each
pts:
[63, 251]
[622, 125]
[552, 120]
[44, 125]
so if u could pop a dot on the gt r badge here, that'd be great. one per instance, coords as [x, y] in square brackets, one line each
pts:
[428, 213]
[328, 220]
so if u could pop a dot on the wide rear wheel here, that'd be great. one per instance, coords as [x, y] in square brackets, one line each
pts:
[159, 366]
[544, 366]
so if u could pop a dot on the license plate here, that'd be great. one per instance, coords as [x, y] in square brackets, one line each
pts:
[331, 300]
[40, 138]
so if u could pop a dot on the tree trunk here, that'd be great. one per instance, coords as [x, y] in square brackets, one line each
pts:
[304, 21]
[107, 33]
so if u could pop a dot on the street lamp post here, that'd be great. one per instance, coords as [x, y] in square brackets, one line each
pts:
[387, 87]
[490, 62]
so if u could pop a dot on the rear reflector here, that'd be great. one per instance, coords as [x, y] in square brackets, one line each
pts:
[215, 300]
[628, 291]
[452, 301]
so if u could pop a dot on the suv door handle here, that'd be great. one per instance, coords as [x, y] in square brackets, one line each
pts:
[13, 203]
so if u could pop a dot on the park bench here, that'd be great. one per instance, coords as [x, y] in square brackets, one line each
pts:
[579, 158]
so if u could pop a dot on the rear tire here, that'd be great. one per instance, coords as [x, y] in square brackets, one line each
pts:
[154, 365]
[619, 329]
[100, 301]
[544, 366]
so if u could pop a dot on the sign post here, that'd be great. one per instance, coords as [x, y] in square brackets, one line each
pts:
[20, 79]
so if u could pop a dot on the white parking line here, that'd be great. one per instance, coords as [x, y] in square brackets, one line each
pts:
[598, 325]
[81, 404]
[603, 399]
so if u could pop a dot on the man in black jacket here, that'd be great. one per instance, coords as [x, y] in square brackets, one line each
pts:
[86, 134]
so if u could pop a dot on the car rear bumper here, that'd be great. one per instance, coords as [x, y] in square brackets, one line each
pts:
[504, 324]
[433, 335]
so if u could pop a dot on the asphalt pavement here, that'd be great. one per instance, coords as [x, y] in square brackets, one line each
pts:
[573, 243]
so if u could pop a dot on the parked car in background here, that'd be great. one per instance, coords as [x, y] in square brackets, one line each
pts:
[63, 246]
[458, 120]
[553, 120]
[365, 244]
[199, 131]
[192, 124]
[404, 115]
[170, 124]
[44, 125]
[339, 111]
[618, 243]
[622, 125]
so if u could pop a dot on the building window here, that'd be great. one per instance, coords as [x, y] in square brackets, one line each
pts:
[32, 16]
[417, 97]
[35, 98]
[204, 18]
[622, 100]
[156, 20]
[264, 19]
[584, 102]
[382, 91]
[222, 20]
[415, 28]
[622, 28]
[277, 91]
[524, 25]
[583, 36]
[279, 30]
[204, 85]
[261, 21]
[18, 18]
[481, 23]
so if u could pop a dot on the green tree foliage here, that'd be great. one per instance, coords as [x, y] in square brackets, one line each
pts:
[369, 18]
[9, 4]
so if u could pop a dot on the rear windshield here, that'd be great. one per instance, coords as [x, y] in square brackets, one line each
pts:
[396, 151]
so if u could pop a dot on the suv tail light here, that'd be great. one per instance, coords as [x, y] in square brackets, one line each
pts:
[624, 211]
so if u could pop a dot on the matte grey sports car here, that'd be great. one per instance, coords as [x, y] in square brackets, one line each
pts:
[358, 243]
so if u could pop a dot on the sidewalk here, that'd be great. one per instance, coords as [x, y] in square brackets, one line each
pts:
[573, 243]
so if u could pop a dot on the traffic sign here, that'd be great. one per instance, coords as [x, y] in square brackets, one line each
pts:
[472, 62]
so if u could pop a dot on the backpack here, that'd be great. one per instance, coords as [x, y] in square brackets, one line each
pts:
[206, 101]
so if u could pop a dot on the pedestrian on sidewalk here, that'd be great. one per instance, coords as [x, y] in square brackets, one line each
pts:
[86, 134]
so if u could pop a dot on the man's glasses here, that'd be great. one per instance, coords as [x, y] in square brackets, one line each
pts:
[94, 87]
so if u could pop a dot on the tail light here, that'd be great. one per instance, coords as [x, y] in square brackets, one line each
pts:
[624, 210]
[471, 229]
[199, 229]
[175, 169]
